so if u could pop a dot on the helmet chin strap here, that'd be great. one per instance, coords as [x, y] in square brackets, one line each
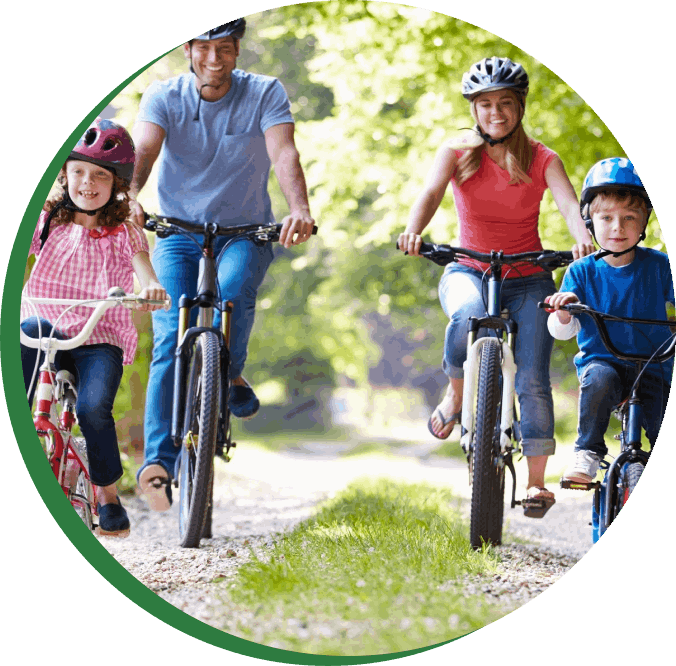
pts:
[490, 140]
[602, 252]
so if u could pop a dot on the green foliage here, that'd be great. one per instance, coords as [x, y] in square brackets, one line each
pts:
[375, 91]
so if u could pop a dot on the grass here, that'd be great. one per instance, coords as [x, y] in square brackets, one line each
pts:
[376, 571]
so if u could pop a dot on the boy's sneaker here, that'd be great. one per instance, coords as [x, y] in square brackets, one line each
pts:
[585, 467]
[155, 484]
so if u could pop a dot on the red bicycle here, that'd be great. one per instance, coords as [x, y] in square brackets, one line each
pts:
[56, 397]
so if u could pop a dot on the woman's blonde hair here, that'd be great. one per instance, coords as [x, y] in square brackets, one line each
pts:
[519, 149]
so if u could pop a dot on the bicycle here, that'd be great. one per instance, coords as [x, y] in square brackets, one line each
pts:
[56, 397]
[200, 424]
[623, 473]
[490, 431]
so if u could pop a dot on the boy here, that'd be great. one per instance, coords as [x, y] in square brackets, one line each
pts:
[622, 279]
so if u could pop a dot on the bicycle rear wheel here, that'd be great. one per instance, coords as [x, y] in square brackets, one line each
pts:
[488, 481]
[199, 439]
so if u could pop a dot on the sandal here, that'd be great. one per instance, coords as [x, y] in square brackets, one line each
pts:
[453, 417]
[538, 501]
[155, 484]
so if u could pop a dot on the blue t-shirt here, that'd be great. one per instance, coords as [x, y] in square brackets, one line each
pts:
[640, 290]
[216, 169]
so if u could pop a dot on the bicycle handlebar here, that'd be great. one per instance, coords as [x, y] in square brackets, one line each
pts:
[116, 296]
[442, 255]
[165, 226]
[601, 317]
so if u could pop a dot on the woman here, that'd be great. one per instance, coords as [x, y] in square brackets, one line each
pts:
[499, 176]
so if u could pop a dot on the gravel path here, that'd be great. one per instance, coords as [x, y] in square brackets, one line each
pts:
[260, 494]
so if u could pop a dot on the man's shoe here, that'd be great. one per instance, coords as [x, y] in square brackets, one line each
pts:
[155, 484]
[243, 402]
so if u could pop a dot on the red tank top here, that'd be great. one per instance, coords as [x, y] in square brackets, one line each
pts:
[495, 215]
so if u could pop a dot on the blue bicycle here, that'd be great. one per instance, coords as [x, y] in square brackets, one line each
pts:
[623, 473]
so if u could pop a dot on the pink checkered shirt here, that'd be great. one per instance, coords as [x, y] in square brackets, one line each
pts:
[74, 264]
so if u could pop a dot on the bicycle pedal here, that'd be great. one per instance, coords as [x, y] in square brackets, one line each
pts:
[578, 485]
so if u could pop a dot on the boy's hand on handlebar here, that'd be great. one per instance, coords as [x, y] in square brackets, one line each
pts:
[555, 301]
[409, 242]
[296, 228]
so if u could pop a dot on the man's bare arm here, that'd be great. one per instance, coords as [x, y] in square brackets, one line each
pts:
[148, 139]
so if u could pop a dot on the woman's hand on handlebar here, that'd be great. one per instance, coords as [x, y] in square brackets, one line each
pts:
[555, 301]
[410, 242]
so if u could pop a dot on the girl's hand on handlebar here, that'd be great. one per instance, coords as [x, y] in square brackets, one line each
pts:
[410, 242]
[555, 301]
[154, 292]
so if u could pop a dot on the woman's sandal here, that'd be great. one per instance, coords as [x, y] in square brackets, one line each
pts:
[535, 505]
[453, 417]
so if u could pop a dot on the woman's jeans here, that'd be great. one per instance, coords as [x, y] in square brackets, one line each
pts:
[462, 296]
[176, 262]
[98, 371]
[603, 386]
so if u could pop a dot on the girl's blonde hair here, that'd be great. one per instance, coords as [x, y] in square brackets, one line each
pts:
[519, 147]
[114, 214]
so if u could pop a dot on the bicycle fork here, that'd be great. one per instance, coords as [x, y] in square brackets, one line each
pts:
[471, 371]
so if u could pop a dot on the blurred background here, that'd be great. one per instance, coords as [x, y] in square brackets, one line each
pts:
[347, 344]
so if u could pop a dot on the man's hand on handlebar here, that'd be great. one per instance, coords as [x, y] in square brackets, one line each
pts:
[296, 228]
[137, 213]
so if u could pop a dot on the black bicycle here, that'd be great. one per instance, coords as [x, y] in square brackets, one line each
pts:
[623, 473]
[490, 431]
[200, 416]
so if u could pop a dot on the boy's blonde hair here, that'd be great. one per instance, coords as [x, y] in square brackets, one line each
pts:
[519, 150]
[619, 197]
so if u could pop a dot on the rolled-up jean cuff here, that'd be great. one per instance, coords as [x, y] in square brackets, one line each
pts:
[452, 372]
[538, 447]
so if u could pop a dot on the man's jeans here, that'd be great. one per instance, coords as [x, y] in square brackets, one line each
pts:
[176, 262]
[603, 386]
[461, 296]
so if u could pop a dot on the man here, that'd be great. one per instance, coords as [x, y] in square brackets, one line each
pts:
[219, 129]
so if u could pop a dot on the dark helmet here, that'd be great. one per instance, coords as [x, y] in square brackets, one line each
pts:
[234, 29]
[109, 145]
[614, 173]
[494, 74]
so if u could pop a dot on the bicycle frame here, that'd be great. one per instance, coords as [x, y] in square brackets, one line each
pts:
[606, 501]
[66, 459]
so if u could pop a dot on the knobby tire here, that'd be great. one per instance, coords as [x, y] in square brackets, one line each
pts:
[632, 476]
[487, 476]
[201, 420]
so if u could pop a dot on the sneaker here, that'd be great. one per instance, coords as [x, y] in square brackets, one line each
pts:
[155, 484]
[243, 402]
[113, 520]
[585, 467]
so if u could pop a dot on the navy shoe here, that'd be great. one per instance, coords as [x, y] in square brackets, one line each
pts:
[113, 520]
[243, 402]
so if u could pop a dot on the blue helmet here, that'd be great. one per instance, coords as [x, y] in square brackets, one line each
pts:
[234, 29]
[614, 173]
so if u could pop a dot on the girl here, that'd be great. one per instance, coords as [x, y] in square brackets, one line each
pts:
[499, 176]
[83, 248]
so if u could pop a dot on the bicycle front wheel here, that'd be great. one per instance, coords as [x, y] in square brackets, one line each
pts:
[199, 439]
[488, 482]
[631, 476]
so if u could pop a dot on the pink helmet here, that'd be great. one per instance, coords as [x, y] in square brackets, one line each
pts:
[108, 144]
